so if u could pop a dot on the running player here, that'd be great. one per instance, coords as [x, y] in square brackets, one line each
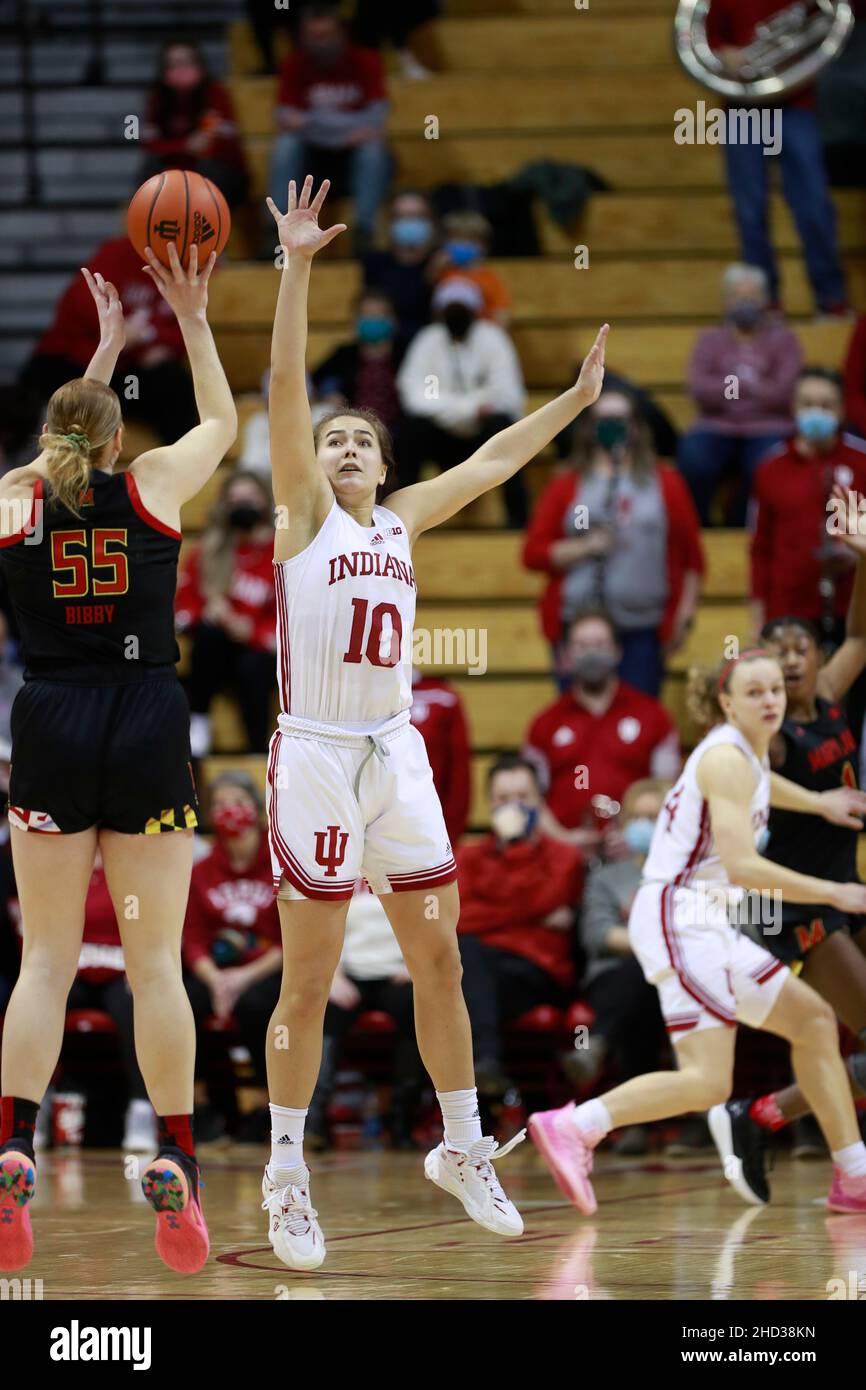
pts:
[100, 746]
[349, 785]
[708, 974]
[816, 749]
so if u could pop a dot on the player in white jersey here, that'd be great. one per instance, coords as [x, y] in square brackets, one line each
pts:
[350, 789]
[710, 975]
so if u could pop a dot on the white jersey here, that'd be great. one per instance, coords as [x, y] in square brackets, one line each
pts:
[682, 851]
[345, 614]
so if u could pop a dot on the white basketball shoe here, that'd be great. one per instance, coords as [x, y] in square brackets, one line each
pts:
[469, 1175]
[293, 1229]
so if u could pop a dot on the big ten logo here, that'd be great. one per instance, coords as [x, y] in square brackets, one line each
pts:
[713, 125]
[132, 1167]
[581, 258]
[431, 127]
[20, 1290]
[131, 128]
[854, 1287]
[461, 648]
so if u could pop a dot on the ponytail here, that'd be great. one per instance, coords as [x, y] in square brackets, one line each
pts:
[83, 416]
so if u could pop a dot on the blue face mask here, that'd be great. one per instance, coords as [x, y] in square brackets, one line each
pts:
[463, 253]
[638, 834]
[514, 821]
[374, 328]
[410, 231]
[816, 425]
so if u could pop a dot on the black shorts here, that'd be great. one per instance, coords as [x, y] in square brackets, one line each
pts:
[803, 928]
[115, 756]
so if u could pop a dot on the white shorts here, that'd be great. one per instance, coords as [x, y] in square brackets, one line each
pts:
[707, 973]
[344, 806]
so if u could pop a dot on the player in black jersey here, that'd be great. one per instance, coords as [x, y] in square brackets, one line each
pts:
[815, 748]
[100, 746]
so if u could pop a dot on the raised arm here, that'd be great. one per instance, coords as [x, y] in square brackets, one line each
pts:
[427, 504]
[298, 482]
[167, 477]
[844, 666]
[112, 336]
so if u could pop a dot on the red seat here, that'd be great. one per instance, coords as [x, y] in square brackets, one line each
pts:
[544, 1019]
[374, 1021]
[89, 1021]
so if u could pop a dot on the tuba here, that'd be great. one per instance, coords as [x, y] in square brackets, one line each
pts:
[788, 51]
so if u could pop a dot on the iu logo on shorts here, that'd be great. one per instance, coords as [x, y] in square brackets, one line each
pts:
[331, 848]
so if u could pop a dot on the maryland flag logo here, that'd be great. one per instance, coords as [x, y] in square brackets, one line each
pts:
[169, 821]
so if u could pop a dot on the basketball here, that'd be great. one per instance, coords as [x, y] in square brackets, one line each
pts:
[180, 206]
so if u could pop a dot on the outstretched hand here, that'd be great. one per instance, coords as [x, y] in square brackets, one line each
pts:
[298, 227]
[184, 290]
[108, 307]
[589, 383]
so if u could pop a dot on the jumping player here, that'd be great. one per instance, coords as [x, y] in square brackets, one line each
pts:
[100, 746]
[708, 974]
[350, 789]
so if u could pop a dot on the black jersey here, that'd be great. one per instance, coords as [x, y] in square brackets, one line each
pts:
[819, 755]
[93, 594]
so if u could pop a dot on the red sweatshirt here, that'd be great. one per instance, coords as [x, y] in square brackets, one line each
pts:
[217, 118]
[506, 892]
[75, 330]
[789, 517]
[855, 378]
[251, 591]
[350, 84]
[439, 716]
[732, 24]
[222, 900]
[550, 522]
[101, 950]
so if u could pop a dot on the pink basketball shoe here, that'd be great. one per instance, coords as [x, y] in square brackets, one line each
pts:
[17, 1186]
[846, 1193]
[568, 1153]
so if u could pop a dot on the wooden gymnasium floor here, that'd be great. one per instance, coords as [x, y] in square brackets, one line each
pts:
[665, 1229]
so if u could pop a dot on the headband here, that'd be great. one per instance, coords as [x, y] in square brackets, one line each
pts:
[729, 665]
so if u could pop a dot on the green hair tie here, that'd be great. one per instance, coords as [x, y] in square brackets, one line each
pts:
[80, 439]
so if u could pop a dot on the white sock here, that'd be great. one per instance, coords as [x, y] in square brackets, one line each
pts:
[287, 1139]
[852, 1160]
[460, 1117]
[591, 1117]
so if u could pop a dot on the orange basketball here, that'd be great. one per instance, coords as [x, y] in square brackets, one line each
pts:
[180, 206]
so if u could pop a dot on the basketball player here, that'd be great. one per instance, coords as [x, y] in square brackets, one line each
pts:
[100, 746]
[350, 790]
[708, 974]
[816, 749]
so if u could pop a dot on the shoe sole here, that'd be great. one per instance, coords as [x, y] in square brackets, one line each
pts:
[17, 1186]
[181, 1235]
[722, 1131]
[432, 1170]
[538, 1135]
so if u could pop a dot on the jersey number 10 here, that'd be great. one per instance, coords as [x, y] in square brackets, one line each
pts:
[385, 636]
[82, 581]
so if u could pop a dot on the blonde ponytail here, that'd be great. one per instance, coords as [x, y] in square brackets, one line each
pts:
[83, 416]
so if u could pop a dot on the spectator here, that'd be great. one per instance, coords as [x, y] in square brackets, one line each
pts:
[255, 446]
[226, 600]
[101, 983]
[731, 27]
[190, 123]
[479, 389]
[741, 376]
[518, 893]
[597, 738]
[439, 715]
[855, 379]
[11, 681]
[151, 377]
[628, 1027]
[371, 975]
[663, 432]
[814, 576]
[330, 118]
[467, 241]
[403, 270]
[619, 531]
[364, 372]
[375, 23]
[232, 947]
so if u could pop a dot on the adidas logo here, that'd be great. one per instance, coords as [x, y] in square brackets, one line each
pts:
[284, 1139]
[377, 539]
[201, 229]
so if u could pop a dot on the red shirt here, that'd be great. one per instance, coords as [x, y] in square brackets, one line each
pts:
[549, 523]
[355, 80]
[507, 891]
[789, 517]
[217, 118]
[855, 377]
[250, 593]
[603, 753]
[226, 900]
[732, 24]
[75, 330]
[101, 950]
[438, 714]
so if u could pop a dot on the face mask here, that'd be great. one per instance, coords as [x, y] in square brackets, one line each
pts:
[513, 821]
[638, 834]
[611, 433]
[745, 315]
[593, 668]
[244, 516]
[458, 320]
[183, 77]
[410, 231]
[816, 424]
[463, 253]
[374, 328]
[230, 821]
